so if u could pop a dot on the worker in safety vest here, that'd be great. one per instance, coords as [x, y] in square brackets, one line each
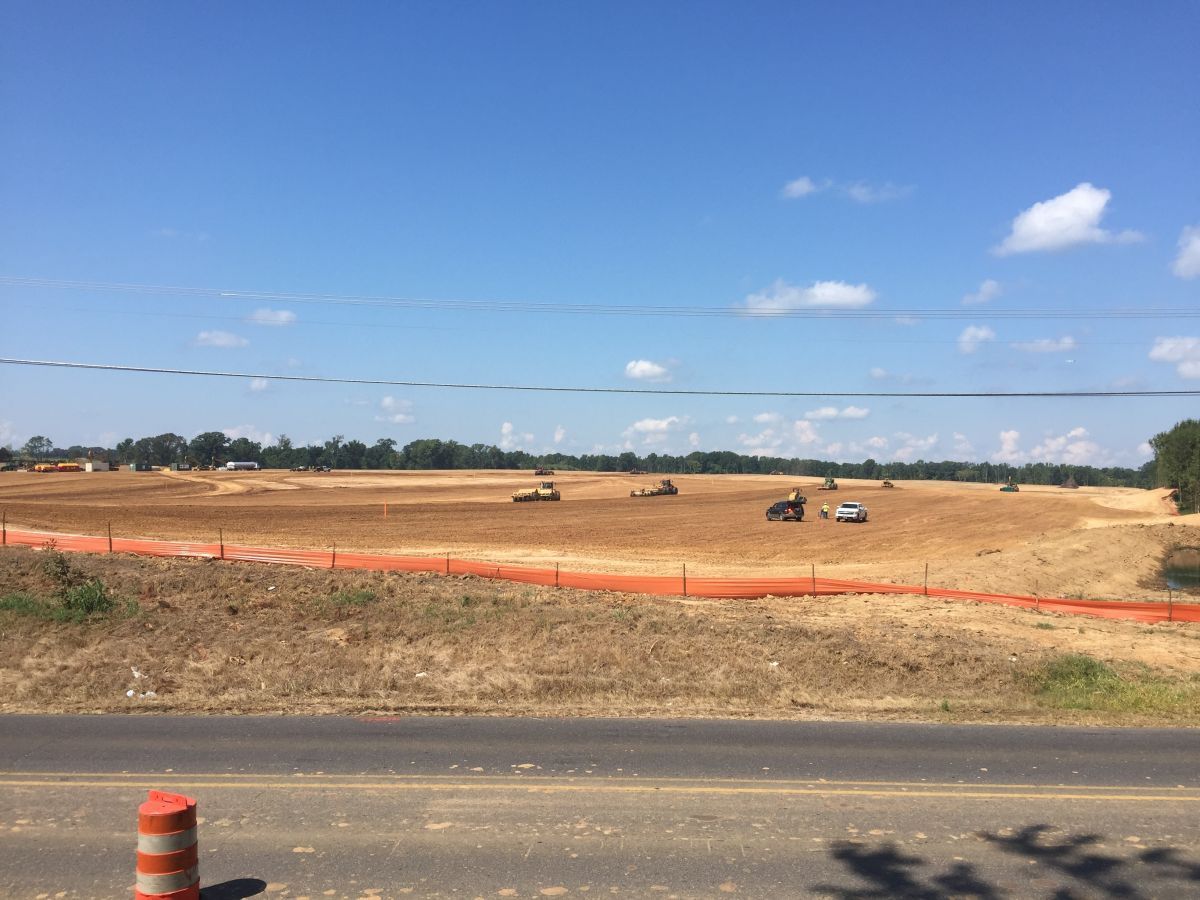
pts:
[824, 510]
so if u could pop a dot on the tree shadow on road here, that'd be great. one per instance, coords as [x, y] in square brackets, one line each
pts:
[237, 889]
[1071, 866]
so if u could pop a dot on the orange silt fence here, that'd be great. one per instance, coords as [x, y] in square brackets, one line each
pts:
[168, 863]
[661, 585]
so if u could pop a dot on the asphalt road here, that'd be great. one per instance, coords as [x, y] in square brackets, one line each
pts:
[397, 807]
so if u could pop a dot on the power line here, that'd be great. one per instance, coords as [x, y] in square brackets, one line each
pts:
[603, 309]
[676, 392]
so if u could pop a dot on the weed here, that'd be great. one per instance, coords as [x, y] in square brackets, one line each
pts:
[87, 599]
[466, 600]
[24, 604]
[1046, 625]
[1078, 681]
[352, 598]
[945, 707]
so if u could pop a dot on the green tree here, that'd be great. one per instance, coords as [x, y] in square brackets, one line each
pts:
[209, 448]
[1177, 459]
[38, 447]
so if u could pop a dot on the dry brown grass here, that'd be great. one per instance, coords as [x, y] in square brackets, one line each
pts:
[242, 638]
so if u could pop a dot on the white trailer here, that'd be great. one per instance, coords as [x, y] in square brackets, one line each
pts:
[241, 466]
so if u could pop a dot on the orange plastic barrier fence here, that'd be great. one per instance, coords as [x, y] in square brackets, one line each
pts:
[168, 864]
[666, 585]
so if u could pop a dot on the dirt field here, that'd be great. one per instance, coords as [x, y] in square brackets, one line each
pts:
[253, 638]
[1099, 543]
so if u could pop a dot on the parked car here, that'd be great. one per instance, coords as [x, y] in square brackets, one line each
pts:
[786, 511]
[851, 512]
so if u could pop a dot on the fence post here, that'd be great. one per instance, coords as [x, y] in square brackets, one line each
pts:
[1170, 604]
[556, 574]
[4, 528]
[110, 537]
[221, 539]
[447, 563]
[814, 578]
[333, 559]
[685, 579]
[926, 579]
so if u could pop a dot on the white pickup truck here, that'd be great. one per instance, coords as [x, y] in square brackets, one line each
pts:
[851, 512]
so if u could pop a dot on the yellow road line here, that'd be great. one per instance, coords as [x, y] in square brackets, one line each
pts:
[522, 782]
[966, 793]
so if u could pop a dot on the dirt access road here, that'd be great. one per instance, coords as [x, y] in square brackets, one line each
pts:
[1091, 542]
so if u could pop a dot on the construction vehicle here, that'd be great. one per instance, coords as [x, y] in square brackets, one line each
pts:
[887, 483]
[544, 491]
[540, 471]
[1011, 487]
[829, 485]
[663, 489]
[796, 495]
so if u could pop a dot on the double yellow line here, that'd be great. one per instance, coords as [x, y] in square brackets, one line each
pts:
[535, 784]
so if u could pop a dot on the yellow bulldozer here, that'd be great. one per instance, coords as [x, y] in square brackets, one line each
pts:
[663, 489]
[796, 495]
[544, 491]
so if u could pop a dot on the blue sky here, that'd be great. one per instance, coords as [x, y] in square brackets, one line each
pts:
[923, 170]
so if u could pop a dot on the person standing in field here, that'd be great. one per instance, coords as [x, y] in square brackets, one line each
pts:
[825, 510]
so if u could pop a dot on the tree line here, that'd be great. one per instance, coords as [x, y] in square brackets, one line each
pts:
[1177, 462]
[1177, 459]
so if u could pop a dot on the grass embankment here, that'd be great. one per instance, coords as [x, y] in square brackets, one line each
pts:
[211, 637]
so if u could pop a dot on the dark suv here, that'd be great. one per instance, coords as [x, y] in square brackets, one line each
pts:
[786, 511]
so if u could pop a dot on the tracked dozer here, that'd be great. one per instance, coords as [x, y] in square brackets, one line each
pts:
[887, 483]
[796, 495]
[1010, 488]
[829, 485]
[663, 489]
[540, 471]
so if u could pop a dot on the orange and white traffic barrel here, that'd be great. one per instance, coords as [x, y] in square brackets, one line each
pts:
[168, 863]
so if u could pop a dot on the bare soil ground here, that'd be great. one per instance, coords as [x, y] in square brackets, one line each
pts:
[240, 638]
[214, 637]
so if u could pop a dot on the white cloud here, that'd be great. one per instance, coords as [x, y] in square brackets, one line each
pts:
[398, 412]
[763, 418]
[824, 412]
[765, 443]
[988, 291]
[1072, 448]
[272, 317]
[654, 431]
[832, 412]
[645, 370]
[219, 339]
[962, 446]
[511, 439]
[1063, 221]
[802, 187]
[914, 447]
[861, 192]
[1145, 450]
[250, 432]
[694, 439]
[907, 321]
[877, 442]
[258, 385]
[782, 297]
[1187, 263]
[974, 335]
[7, 434]
[1047, 345]
[804, 432]
[1010, 448]
[879, 374]
[559, 434]
[1184, 352]
[732, 420]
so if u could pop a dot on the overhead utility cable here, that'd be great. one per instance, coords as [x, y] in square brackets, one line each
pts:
[765, 311]
[321, 379]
